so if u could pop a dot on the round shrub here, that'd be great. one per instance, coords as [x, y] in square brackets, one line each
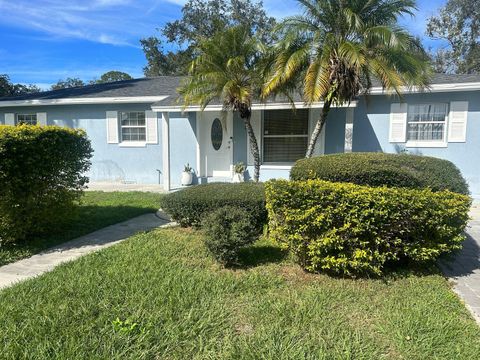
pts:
[227, 230]
[190, 205]
[42, 176]
[352, 229]
[380, 169]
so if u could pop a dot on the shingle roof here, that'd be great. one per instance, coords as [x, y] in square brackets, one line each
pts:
[167, 86]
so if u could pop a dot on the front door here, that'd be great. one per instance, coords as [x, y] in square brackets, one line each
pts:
[217, 132]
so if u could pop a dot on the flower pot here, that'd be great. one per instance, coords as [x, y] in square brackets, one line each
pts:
[187, 178]
[238, 178]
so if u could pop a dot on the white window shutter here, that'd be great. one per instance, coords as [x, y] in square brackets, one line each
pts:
[457, 121]
[9, 119]
[398, 122]
[112, 127]
[151, 120]
[42, 118]
[256, 121]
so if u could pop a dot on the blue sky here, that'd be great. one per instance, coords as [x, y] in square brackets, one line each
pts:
[42, 41]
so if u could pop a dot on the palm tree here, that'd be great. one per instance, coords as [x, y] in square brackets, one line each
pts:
[228, 68]
[337, 47]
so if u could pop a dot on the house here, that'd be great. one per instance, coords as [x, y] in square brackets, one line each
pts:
[141, 134]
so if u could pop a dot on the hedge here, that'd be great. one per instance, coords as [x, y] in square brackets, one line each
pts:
[41, 176]
[228, 230]
[189, 206]
[351, 229]
[379, 169]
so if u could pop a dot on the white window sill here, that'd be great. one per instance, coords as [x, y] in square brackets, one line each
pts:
[426, 144]
[276, 166]
[133, 144]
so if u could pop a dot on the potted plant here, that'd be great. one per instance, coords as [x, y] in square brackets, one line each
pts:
[238, 172]
[187, 175]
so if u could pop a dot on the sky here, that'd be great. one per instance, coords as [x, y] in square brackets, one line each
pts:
[43, 41]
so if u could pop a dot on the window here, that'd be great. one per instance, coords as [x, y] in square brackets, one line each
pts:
[285, 135]
[133, 126]
[426, 122]
[26, 119]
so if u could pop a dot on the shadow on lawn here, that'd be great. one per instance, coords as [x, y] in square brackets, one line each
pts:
[260, 255]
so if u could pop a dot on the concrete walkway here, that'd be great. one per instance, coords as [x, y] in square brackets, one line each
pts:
[463, 268]
[48, 259]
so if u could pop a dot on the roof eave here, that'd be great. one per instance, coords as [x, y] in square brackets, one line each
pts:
[84, 101]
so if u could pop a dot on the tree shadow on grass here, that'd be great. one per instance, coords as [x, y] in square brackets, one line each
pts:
[260, 255]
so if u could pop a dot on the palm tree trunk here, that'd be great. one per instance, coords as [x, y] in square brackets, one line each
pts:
[318, 128]
[253, 148]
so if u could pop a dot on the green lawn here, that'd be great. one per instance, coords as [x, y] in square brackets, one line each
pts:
[158, 295]
[97, 210]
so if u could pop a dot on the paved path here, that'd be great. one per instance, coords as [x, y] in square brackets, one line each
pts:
[48, 259]
[463, 268]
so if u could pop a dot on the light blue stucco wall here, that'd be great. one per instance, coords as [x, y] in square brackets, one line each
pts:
[113, 162]
[372, 123]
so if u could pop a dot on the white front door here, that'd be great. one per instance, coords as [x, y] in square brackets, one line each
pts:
[217, 147]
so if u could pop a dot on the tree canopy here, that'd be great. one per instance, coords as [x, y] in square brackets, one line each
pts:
[68, 83]
[7, 88]
[458, 24]
[202, 20]
[112, 76]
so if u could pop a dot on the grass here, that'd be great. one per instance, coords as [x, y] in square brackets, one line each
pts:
[97, 210]
[159, 295]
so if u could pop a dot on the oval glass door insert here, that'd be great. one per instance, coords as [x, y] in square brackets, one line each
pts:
[217, 134]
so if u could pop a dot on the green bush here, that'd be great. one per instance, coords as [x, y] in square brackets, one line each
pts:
[379, 169]
[41, 176]
[190, 205]
[351, 229]
[227, 231]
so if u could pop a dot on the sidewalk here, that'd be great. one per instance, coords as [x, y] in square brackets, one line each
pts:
[50, 258]
[463, 268]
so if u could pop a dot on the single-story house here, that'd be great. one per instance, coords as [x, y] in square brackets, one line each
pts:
[140, 133]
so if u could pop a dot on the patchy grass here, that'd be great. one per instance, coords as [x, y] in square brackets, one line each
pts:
[159, 295]
[97, 210]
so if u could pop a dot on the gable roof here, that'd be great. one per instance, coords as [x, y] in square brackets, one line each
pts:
[161, 91]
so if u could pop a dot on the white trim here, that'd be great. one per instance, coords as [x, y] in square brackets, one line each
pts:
[166, 150]
[112, 127]
[93, 100]
[458, 115]
[378, 90]
[276, 167]
[268, 106]
[426, 144]
[133, 144]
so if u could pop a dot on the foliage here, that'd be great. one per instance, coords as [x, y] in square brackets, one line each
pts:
[228, 230]
[189, 206]
[42, 172]
[96, 210]
[187, 168]
[68, 83]
[378, 169]
[457, 24]
[202, 20]
[7, 88]
[337, 48]
[112, 76]
[351, 229]
[239, 168]
[191, 308]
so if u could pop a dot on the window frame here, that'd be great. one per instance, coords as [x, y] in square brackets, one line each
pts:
[26, 114]
[280, 164]
[124, 142]
[428, 143]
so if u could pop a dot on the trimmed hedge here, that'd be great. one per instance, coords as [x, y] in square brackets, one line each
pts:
[379, 169]
[351, 229]
[228, 230]
[41, 176]
[190, 205]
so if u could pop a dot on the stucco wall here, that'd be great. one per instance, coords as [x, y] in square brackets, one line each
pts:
[113, 162]
[371, 130]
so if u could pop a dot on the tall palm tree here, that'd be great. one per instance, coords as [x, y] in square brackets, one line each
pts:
[336, 48]
[228, 68]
